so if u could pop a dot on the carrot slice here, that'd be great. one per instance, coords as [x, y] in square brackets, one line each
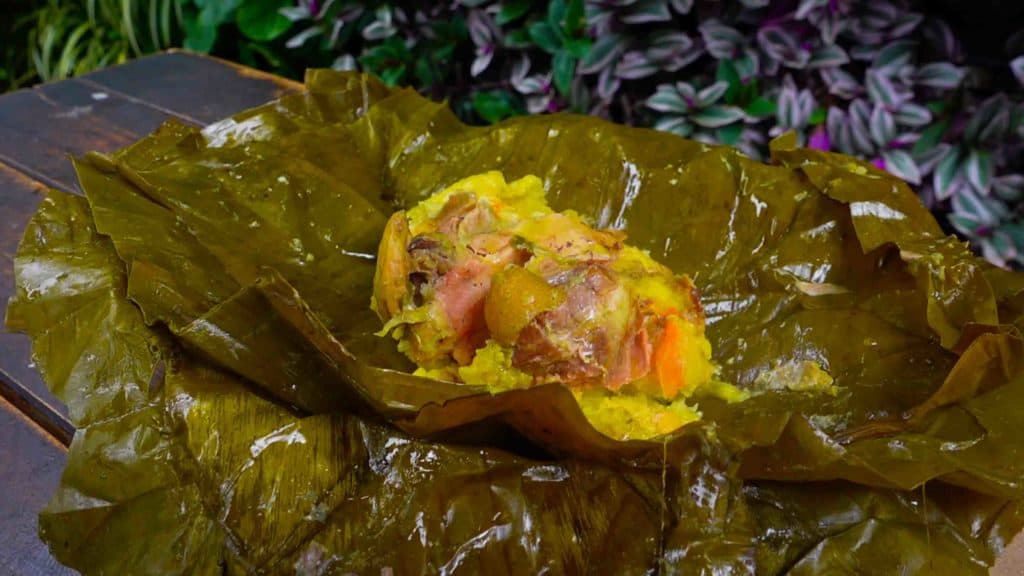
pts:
[668, 357]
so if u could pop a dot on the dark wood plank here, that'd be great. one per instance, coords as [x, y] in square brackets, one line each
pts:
[39, 129]
[30, 468]
[42, 126]
[20, 383]
[191, 86]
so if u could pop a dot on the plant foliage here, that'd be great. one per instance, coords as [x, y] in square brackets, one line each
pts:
[881, 80]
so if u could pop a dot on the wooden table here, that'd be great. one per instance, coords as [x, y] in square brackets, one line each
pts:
[39, 129]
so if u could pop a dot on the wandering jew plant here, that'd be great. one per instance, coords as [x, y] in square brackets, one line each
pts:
[872, 78]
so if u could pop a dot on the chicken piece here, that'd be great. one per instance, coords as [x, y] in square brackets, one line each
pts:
[488, 265]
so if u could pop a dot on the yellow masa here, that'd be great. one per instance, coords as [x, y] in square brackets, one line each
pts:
[652, 405]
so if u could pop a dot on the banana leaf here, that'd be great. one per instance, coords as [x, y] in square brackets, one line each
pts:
[205, 316]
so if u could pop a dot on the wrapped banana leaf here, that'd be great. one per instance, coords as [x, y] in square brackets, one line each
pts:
[205, 313]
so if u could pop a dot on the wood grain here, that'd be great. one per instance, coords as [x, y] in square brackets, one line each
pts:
[192, 87]
[43, 126]
[109, 109]
[30, 467]
[39, 129]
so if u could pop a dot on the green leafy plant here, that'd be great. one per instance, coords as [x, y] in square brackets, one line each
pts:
[881, 80]
[877, 80]
[69, 38]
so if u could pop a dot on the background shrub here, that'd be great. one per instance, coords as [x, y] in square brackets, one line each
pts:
[879, 79]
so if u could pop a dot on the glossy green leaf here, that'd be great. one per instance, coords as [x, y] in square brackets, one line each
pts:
[261, 19]
[283, 435]
[730, 135]
[760, 107]
[563, 66]
[577, 47]
[575, 19]
[513, 10]
[931, 136]
[881, 213]
[545, 36]
[494, 106]
[726, 72]
[71, 289]
[200, 31]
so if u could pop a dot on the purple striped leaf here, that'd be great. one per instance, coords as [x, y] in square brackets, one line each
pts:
[864, 52]
[841, 83]
[682, 6]
[717, 116]
[882, 90]
[946, 179]
[828, 56]
[882, 126]
[978, 169]
[914, 115]
[928, 159]
[604, 50]
[607, 84]
[805, 107]
[785, 113]
[779, 44]
[747, 65]
[941, 75]
[665, 45]
[893, 56]
[967, 202]
[721, 41]
[684, 58]
[712, 93]
[939, 36]
[1009, 187]
[859, 116]
[634, 65]
[905, 24]
[1017, 67]
[830, 26]
[991, 121]
[999, 249]
[667, 99]
[480, 30]
[647, 11]
[900, 164]
[481, 62]
[804, 9]
[674, 124]
[965, 224]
